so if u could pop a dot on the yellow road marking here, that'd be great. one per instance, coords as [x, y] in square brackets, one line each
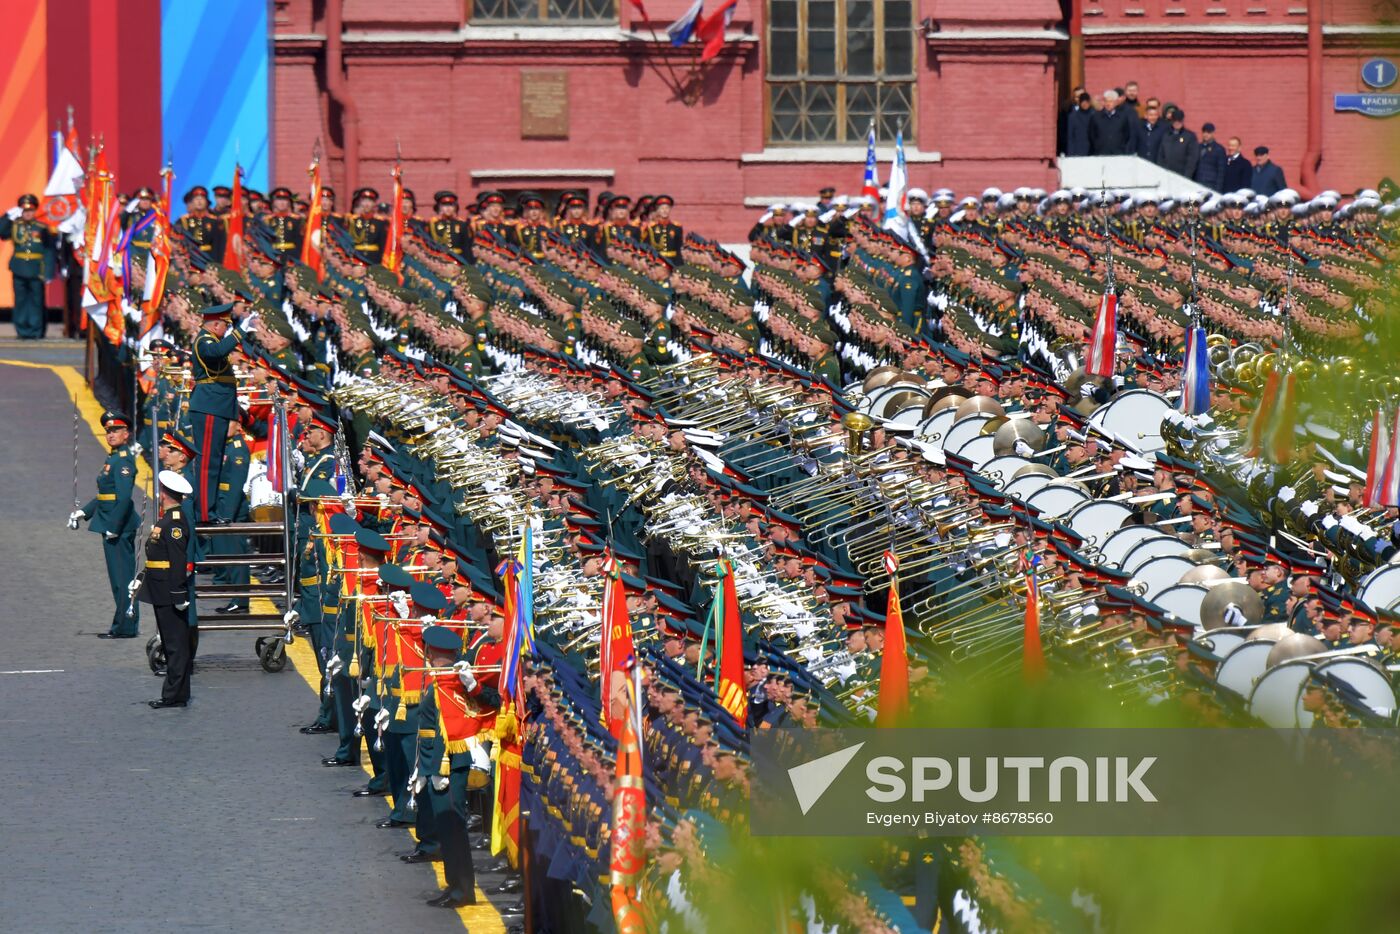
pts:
[88, 406]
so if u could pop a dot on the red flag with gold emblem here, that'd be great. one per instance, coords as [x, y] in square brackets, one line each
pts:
[393, 244]
[894, 664]
[629, 824]
[729, 686]
[315, 226]
[616, 647]
[233, 246]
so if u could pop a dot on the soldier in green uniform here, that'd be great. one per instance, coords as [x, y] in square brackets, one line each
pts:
[141, 224]
[285, 227]
[168, 584]
[368, 233]
[447, 229]
[529, 233]
[205, 232]
[617, 223]
[112, 515]
[491, 207]
[231, 505]
[31, 265]
[575, 226]
[662, 235]
[213, 401]
[317, 479]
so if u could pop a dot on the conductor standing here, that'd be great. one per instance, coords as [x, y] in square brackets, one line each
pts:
[214, 400]
[168, 586]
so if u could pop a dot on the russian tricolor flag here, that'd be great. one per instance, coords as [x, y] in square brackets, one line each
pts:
[871, 186]
[683, 28]
[1195, 374]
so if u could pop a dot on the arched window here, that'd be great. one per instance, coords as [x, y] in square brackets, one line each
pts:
[834, 65]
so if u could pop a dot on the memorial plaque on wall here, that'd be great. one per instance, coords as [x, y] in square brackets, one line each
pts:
[544, 103]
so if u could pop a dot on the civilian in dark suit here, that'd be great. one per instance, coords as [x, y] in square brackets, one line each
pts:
[1178, 150]
[1238, 172]
[1078, 126]
[1210, 165]
[1268, 178]
[1150, 131]
[167, 584]
[1111, 132]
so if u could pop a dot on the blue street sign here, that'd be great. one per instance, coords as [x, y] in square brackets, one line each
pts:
[1372, 105]
[1378, 73]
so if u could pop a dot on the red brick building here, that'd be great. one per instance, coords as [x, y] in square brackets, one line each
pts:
[555, 94]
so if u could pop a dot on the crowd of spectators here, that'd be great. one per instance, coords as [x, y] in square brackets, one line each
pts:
[1119, 123]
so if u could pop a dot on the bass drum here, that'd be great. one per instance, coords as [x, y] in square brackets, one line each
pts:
[978, 451]
[1367, 679]
[1161, 572]
[1239, 670]
[1001, 469]
[1135, 418]
[1381, 588]
[1056, 499]
[1150, 548]
[1097, 520]
[935, 427]
[264, 502]
[1116, 547]
[1184, 602]
[964, 431]
[1277, 696]
[1026, 486]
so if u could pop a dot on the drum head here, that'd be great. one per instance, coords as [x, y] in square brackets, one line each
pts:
[1381, 589]
[1135, 417]
[910, 415]
[1274, 699]
[1026, 485]
[1150, 548]
[1368, 680]
[1221, 641]
[1116, 547]
[1001, 469]
[1184, 602]
[935, 427]
[978, 450]
[1056, 499]
[964, 431]
[1243, 666]
[1097, 519]
[874, 403]
[1161, 572]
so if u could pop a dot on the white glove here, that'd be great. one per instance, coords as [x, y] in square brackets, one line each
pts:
[249, 323]
[381, 719]
[182, 606]
[299, 459]
[1286, 494]
[1308, 509]
[440, 782]
[14, 213]
[366, 684]
[75, 517]
[418, 785]
[466, 675]
[110, 536]
[399, 600]
[133, 205]
[348, 499]
[1234, 616]
[133, 587]
[360, 704]
[1352, 525]
[334, 666]
[289, 618]
[135, 448]
[1023, 448]
[1087, 390]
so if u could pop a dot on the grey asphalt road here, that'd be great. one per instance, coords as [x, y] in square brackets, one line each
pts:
[117, 817]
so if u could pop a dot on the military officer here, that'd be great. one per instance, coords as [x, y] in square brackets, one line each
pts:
[368, 233]
[214, 400]
[139, 222]
[286, 228]
[112, 515]
[203, 230]
[231, 505]
[491, 208]
[31, 265]
[317, 480]
[447, 229]
[617, 223]
[575, 226]
[529, 233]
[660, 234]
[168, 584]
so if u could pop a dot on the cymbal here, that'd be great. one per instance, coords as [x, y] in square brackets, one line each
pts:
[1044, 470]
[943, 397]
[900, 400]
[1293, 645]
[880, 376]
[1076, 380]
[1202, 573]
[1017, 429]
[990, 426]
[983, 404]
[1223, 595]
[1200, 556]
[1270, 631]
